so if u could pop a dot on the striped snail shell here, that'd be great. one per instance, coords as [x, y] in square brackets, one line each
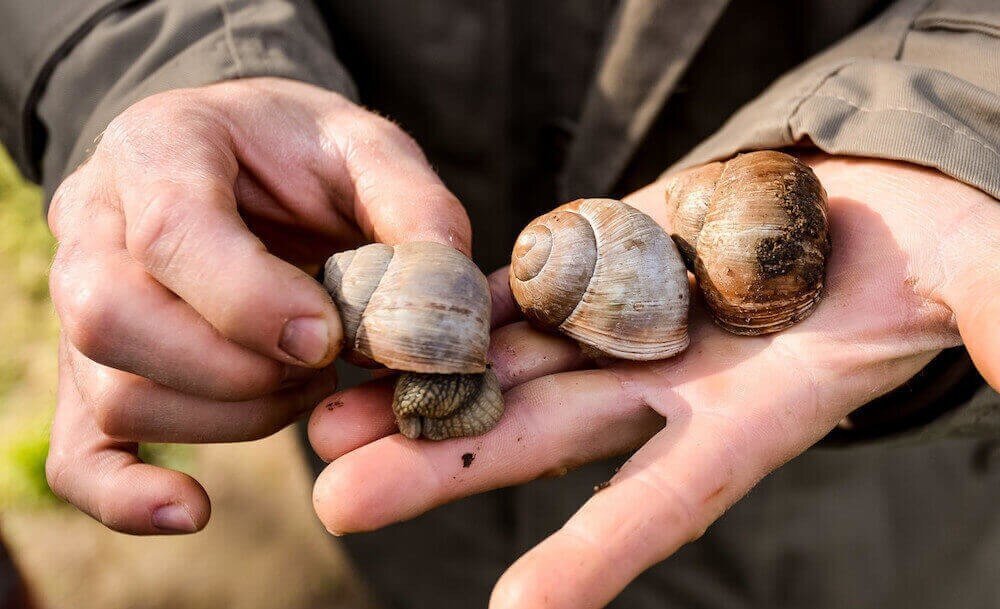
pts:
[606, 275]
[422, 308]
[755, 232]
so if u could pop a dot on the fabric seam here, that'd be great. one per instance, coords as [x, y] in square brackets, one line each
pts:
[799, 101]
[910, 27]
[956, 130]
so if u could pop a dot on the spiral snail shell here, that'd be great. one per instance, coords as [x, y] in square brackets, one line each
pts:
[606, 275]
[755, 232]
[422, 308]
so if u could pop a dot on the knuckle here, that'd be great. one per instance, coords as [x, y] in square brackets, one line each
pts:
[391, 131]
[436, 196]
[88, 311]
[678, 511]
[66, 197]
[141, 128]
[157, 234]
[119, 131]
[58, 468]
[111, 403]
[374, 132]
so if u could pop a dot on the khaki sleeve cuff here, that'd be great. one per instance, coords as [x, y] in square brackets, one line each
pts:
[875, 108]
[918, 84]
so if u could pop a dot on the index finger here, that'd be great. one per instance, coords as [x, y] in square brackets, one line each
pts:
[398, 197]
[504, 310]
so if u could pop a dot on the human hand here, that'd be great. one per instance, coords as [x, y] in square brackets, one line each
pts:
[184, 315]
[914, 270]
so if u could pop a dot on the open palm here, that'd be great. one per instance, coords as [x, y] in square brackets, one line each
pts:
[914, 270]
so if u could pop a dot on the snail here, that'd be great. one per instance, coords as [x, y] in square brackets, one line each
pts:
[754, 230]
[422, 308]
[606, 275]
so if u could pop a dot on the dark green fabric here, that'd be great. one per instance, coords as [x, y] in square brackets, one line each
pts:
[114, 53]
[522, 104]
[36, 36]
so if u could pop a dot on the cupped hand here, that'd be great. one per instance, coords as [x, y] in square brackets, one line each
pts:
[186, 315]
[915, 269]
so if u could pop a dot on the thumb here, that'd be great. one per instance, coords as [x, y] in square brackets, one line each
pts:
[978, 316]
[970, 253]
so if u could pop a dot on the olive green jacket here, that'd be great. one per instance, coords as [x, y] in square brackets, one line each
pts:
[522, 104]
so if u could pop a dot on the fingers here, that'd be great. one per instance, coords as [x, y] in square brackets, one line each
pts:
[182, 225]
[325, 149]
[980, 330]
[556, 422]
[126, 407]
[664, 497]
[551, 425]
[397, 195]
[726, 428]
[972, 289]
[357, 416]
[504, 309]
[352, 418]
[192, 241]
[115, 314]
[105, 478]
[519, 353]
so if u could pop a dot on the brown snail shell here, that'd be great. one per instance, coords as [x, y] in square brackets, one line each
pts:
[605, 274]
[755, 232]
[421, 308]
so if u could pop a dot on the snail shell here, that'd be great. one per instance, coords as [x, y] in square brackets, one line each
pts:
[421, 308]
[606, 275]
[755, 232]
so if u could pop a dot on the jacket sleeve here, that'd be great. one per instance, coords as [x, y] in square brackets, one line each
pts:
[921, 83]
[68, 67]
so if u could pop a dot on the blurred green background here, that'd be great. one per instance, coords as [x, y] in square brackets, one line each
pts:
[27, 351]
[263, 548]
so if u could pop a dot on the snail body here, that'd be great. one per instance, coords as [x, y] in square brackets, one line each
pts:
[606, 275]
[754, 230]
[422, 308]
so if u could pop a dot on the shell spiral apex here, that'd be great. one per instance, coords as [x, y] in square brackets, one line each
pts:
[606, 275]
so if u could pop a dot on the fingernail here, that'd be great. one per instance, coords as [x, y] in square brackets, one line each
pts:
[307, 339]
[175, 518]
[296, 375]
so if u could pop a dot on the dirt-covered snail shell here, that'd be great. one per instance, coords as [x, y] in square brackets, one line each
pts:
[606, 275]
[422, 308]
[755, 232]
